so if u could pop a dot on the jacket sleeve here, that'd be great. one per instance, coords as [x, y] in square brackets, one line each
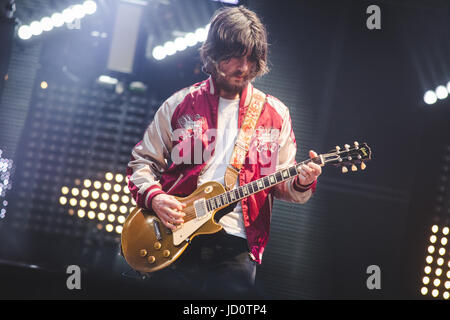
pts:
[290, 190]
[149, 158]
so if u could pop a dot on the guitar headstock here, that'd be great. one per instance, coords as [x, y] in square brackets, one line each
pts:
[349, 156]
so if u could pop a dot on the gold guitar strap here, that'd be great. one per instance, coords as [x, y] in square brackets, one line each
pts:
[244, 137]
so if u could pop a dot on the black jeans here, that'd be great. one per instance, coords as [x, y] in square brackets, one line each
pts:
[216, 266]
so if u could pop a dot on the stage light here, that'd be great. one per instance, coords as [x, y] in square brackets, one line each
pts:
[433, 239]
[87, 183]
[180, 43]
[119, 229]
[83, 203]
[85, 193]
[105, 196]
[440, 261]
[441, 251]
[119, 178]
[81, 213]
[434, 228]
[430, 97]
[435, 293]
[57, 19]
[107, 186]
[424, 291]
[436, 282]
[47, 24]
[445, 231]
[427, 269]
[90, 7]
[109, 227]
[448, 87]
[75, 192]
[78, 11]
[441, 92]
[121, 219]
[159, 53]
[430, 249]
[36, 28]
[111, 217]
[64, 190]
[170, 48]
[115, 197]
[446, 295]
[438, 272]
[68, 15]
[95, 194]
[24, 32]
[109, 176]
[73, 202]
[97, 184]
[44, 85]
[191, 39]
[93, 205]
[429, 259]
[444, 241]
[103, 206]
[91, 215]
[201, 34]
[63, 200]
[447, 284]
[107, 81]
[101, 216]
[426, 280]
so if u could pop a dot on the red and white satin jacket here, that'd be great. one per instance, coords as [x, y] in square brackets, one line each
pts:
[168, 159]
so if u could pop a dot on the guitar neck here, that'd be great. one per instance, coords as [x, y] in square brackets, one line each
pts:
[253, 187]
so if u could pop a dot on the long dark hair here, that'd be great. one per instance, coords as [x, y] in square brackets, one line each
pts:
[233, 32]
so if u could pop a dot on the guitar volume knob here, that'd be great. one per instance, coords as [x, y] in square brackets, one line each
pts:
[157, 245]
[142, 252]
[151, 259]
[166, 253]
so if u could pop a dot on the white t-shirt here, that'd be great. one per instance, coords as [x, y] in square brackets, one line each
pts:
[227, 131]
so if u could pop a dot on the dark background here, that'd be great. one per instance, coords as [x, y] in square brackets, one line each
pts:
[342, 83]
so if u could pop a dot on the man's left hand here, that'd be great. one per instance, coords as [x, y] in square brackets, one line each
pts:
[309, 172]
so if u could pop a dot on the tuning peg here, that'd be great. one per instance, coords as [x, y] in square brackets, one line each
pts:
[354, 168]
[344, 169]
[356, 144]
[338, 148]
[363, 165]
[346, 146]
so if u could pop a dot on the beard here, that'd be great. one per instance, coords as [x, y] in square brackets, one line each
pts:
[224, 83]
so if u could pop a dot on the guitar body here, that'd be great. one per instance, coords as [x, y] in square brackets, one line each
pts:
[148, 245]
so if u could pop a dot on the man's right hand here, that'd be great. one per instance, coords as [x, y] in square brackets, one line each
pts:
[169, 210]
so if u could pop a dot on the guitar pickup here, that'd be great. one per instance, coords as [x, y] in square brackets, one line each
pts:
[157, 230]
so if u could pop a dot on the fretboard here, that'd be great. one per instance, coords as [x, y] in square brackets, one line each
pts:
[253, 187]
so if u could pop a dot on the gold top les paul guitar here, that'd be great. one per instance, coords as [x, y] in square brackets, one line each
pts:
[148, 245]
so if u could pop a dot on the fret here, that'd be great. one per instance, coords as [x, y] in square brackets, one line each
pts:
[208, 205]
[236, 193]
[293, 171]
[255, 186]
[250, 188]
[285, 174]
[232, 196]
[260, 184]
[241, 194]
[217, 203]
[278, 176]
[223, 199]
[228, 197]
[272, 179]
[266, 182]
[245, 190]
